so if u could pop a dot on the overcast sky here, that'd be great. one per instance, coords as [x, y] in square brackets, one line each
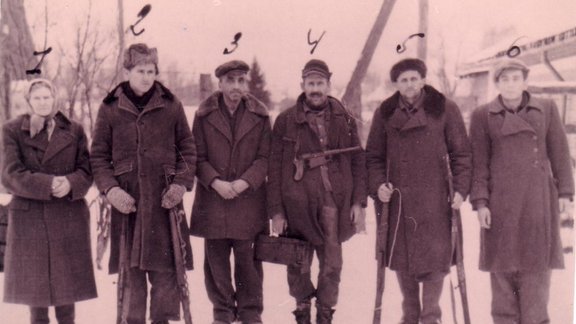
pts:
[193, 33]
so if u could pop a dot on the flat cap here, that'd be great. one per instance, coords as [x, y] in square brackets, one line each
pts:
[315, 66]
[140, 53]
[231, 66]
[509, 64]
[409, 64]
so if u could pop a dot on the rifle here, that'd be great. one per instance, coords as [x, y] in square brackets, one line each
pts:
[123, 274]
[381, 241]
[317, 159]
[457, 252]
[177, 216]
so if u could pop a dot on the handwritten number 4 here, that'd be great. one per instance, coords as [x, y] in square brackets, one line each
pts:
[314, 43]
[36, 69]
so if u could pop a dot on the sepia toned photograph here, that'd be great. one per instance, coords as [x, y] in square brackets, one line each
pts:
[257, 161]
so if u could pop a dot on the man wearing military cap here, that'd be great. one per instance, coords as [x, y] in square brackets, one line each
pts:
[232, 131]
[141, 137]
[325, 204]
[412, 133]
[522, 182]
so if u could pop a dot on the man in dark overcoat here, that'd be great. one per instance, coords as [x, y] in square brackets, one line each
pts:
[141, 137]
[412, 134]
[323, 206]
[232, 131]
[522, 180]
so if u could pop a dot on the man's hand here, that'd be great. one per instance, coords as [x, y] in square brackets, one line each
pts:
[358, 217]
[484, 217]
[457, 200]
[60, 186]
[565, 205]
[239, 186]
[224, 189]
[121, 200]
[278, 224]
[385, 192]
[173, 196]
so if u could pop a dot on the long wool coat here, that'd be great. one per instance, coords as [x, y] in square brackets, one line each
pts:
[229, 155]
[48, 258]
[135, 151]
[299, 200]
[412, 156]
[521, 165]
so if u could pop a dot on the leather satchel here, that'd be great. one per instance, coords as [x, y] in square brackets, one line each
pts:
[282, 250]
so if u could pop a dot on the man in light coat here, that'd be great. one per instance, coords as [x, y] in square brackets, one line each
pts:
[414, 134]
[232, 131]
[142, 138]
[522, 180]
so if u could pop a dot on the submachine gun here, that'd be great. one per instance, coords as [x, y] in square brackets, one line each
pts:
[314, 160]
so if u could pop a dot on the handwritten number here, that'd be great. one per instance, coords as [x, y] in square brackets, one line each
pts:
[234, 42]
[514, 50]
[36, 69]
[142, 14]
[314, 43]
[402, 48]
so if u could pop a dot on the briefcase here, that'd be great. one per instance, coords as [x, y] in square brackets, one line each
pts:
[282, 250]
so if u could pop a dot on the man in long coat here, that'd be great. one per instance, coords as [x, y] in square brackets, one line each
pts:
[522, 179]
[142, 137]
[232, 131]
[412, 133]
[323, 206]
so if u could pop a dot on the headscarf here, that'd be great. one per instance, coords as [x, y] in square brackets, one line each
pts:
[38, 122]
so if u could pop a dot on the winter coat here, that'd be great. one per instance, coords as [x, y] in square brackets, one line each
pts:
[229, 156]
[412, 156]
[48, 256]
[521, 165]
[135, 151]
[299, 201]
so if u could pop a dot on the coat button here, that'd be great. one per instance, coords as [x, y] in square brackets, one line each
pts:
[536, 150]
[535, 137]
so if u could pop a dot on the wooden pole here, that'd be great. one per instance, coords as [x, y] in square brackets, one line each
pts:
[423, 28]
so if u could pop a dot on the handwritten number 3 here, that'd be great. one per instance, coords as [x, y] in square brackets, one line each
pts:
[234, 42]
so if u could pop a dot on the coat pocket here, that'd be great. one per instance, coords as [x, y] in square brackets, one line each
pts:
[122, 167]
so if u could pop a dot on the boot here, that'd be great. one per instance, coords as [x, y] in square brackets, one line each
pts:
[324, 314]
[302, 312]
[65, 314]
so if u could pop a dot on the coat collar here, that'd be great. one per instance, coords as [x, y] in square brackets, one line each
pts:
[433, 103]
[337, 108]
[62, 136]
[399, 121]
[254, 111]
[157, 101]
[496, 106]
[514, 123]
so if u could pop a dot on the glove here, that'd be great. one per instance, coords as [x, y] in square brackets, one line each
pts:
[121, 200]
[173, 196]
[385, 192]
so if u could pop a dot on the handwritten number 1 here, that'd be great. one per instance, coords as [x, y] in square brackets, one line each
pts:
[36, 69]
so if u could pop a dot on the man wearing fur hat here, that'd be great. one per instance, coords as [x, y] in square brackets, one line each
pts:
[522, 181]
[412, 133]
[141, 138]
[324, 206]
[232, 131]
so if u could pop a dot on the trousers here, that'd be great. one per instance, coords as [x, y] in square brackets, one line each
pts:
[64, 314]
[427, 312]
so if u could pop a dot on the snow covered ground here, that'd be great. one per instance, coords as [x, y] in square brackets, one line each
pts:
[356, 294]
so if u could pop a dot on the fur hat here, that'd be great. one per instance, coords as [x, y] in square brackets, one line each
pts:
[409, 64]
[510, 64]
[231, 66]
[317, 67]
[140, 54]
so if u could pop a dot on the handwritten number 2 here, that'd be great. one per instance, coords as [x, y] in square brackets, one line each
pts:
[36, 69]
[142, 14]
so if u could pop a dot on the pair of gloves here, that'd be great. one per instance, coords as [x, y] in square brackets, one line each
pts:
[124, 203]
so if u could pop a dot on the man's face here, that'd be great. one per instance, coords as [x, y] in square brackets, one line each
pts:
[511, 84]
[410, 84]
[234, 85]
[316, 89]
[141, 77]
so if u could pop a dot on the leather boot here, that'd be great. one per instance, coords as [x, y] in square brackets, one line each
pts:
[324, 314]
[302, 312]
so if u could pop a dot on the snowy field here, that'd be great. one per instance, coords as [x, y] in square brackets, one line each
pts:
[356, 294]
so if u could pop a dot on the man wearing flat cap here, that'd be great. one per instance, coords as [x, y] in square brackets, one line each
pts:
[232, 131]
[141, 138]
[522, 181]
[413, 135]
[324, 204]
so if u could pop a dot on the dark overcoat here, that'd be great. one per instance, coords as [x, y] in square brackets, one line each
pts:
[229, 155]
[299, 201]
[135, 151]
[48, 256]
[411, 154]
[521, 166]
